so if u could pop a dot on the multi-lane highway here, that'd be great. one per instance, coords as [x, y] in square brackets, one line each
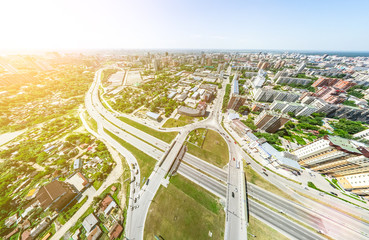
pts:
[228, 184]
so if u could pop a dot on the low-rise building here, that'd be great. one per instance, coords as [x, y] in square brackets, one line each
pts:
[89, 223]
[193, 112]
[154, 116]
[56, 195]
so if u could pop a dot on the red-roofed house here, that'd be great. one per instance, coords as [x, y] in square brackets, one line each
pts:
[106, 202]
[115, 231]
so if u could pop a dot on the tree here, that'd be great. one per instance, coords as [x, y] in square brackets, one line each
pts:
[243, 109]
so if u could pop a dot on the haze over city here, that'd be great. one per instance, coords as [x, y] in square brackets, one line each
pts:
[162, 120]
[267, 24]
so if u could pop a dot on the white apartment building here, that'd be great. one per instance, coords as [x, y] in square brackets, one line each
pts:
[306, 111]
[362, 135]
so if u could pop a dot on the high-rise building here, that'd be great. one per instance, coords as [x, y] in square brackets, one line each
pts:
[270, 121]
[259, 79]
[345, 159]
[306, 111]
[157, 65]
[322, 81]
[289, 80]
[330, 95]
[307, 99]
[301, 67]
[344, 85]
[269, 95]
[334, 155]
[235, 100]
[322, 106]
[220, 67]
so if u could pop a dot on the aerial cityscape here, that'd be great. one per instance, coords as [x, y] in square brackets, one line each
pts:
[178, 120]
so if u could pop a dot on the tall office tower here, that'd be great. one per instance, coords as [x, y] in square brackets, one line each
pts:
[301, 67]
[270, 121]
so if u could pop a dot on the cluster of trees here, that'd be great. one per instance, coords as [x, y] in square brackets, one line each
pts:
[346, 128]
[70, 81]
[131, 99]
[187, 68]
[354, 91]
[79, 138]
[349, 103]
[249, 123]
[303, 75]
[106, 73]
[169, 105]
[306, 122]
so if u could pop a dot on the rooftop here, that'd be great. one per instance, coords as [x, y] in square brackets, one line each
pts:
[343, 143]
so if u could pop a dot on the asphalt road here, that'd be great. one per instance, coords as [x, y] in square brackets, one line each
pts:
[285, 225]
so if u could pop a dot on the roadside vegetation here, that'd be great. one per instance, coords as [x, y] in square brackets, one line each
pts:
[254, 178]
[226, 96]
[184, 210]
[165, 136]
[312, 185]
[146, 162]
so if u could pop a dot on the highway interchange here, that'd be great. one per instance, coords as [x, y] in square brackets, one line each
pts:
[221, 182]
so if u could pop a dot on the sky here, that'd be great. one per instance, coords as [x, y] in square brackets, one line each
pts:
[325, 25]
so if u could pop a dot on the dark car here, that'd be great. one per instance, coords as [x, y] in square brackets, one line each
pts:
[233, 194]
[335, 194]
[147, 182]
[265, 174]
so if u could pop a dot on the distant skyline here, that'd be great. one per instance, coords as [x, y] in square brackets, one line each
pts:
[170, 24]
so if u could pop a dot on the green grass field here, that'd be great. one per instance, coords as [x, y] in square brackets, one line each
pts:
[214, 149]
[165, 136]
[146, 162]
[263, 231]
[182, 121]
[184, 210]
